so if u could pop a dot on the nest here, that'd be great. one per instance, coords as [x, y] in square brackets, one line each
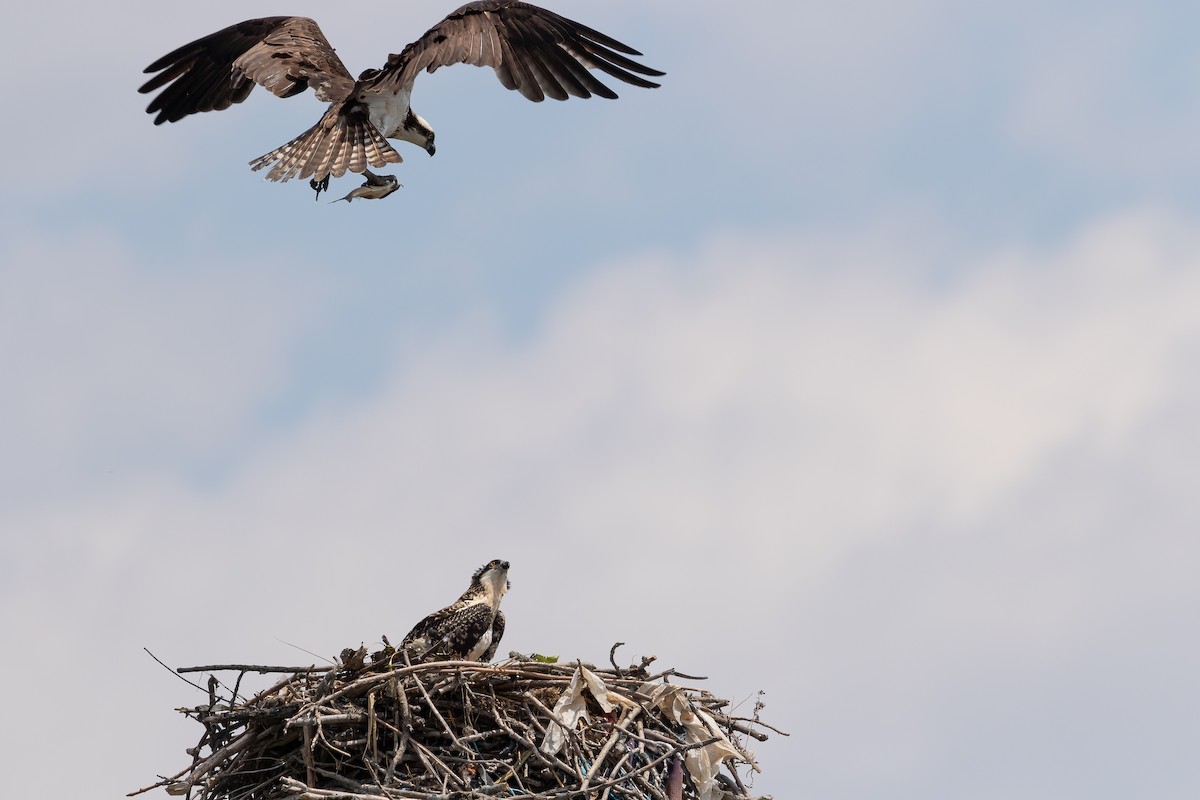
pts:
[376, 726]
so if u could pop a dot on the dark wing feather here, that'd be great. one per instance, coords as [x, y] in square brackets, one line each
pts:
[497, 635]
[452, 631]
[285, 55]
[420, 630]
[532, 50]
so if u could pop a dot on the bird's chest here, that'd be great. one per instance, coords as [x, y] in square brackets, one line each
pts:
[388, 111]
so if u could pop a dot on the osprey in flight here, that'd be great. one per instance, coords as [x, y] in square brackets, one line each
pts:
[470, 628]
[532, 50]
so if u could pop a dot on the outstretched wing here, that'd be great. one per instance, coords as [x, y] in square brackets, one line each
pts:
[285, 55]
[532, 50]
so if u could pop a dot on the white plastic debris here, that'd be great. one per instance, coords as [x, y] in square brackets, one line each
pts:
[572, 707]
[703, 763]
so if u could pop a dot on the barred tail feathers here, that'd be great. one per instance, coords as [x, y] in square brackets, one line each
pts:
[343, 140]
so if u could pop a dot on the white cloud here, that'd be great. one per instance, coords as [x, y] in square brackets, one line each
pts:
[921, 482]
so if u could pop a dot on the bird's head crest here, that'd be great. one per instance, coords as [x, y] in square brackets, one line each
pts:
[495, 565]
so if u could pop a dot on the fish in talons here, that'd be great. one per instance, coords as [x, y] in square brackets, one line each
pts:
[374, 187]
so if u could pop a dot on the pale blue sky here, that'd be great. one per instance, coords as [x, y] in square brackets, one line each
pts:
[856, 364]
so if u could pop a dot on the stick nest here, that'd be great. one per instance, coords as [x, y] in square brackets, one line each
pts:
[374, 726]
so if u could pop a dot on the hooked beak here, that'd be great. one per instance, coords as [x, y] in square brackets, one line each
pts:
[430, 148]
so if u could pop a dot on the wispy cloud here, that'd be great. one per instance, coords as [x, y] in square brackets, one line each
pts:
[937, 465]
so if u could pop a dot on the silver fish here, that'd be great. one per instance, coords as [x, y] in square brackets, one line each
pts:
[374, 188]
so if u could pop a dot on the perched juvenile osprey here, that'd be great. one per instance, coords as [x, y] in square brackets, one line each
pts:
[470, 628]
[532, 50]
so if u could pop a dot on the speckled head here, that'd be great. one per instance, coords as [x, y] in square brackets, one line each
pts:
[493, 577]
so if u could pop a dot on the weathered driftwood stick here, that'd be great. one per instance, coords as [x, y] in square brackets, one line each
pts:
[259, 668]
[217, 759]
[310, 766]
[612, 656]
[323, 719]
[533, 748]
[404, 722]
[744, 725]
[620, 730]
[445, 771]
[434, 710]
[572, 770]
[668, 673]
[163, 782]
[293, 785]
[644, 768]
